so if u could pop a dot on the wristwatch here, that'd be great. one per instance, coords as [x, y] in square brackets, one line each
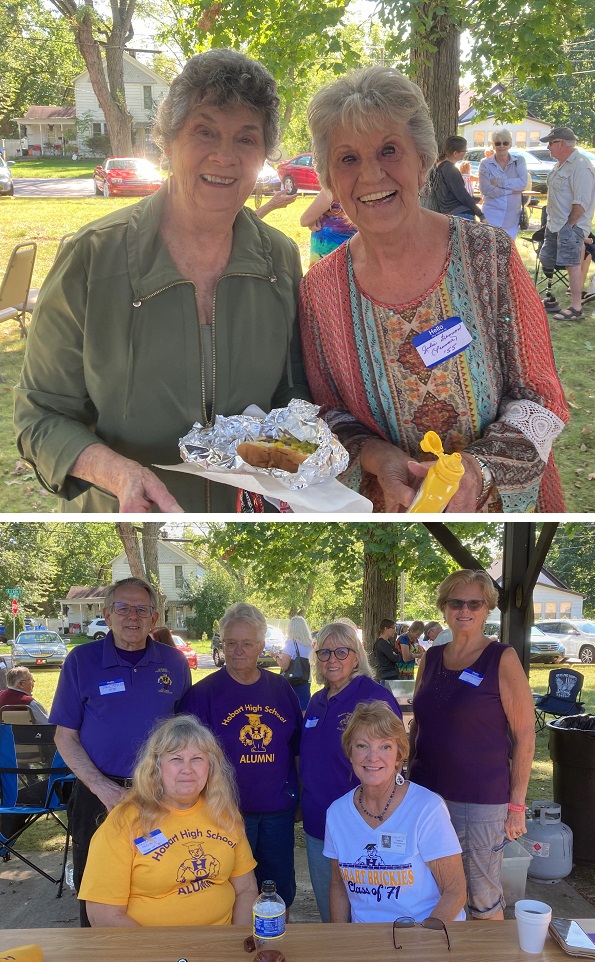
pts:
[486, 474]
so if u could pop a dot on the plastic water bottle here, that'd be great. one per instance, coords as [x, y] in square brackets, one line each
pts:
[268, 920]
[69, 876]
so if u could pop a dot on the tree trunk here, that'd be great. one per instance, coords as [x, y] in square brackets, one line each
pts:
[380, 599]
[437, 74]
[129, 538]
[150, 538]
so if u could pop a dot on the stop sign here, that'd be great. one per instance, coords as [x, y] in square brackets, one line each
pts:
[15, 607]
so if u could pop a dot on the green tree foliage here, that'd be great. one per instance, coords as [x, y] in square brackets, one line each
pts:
[572, 558]
[38, 60]
[209, 598]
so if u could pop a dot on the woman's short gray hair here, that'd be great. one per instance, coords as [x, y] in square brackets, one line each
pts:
[346, 637]
[249, 614]
[363, 101]
[503, 133]
[223, 78]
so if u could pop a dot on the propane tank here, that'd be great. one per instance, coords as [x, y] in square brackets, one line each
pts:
[549, 841]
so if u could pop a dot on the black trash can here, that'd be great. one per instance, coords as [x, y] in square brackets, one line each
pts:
[572, 750]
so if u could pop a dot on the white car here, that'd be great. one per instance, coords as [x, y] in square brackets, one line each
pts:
[97, 629]
[577, 636]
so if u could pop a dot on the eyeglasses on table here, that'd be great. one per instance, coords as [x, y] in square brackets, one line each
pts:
[408, 923]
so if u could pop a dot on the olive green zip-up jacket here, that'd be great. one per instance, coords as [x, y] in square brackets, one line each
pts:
[114, 351]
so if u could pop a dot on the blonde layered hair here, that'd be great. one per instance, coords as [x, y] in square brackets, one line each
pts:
[146, 797]
[377, 720]
[346, 637]
[467, 576]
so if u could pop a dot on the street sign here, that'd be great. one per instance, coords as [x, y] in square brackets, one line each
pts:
[15, 607]
[14, 592]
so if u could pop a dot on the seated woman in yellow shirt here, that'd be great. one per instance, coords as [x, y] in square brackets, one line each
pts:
[174, 851]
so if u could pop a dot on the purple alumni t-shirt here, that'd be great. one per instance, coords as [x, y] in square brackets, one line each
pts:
[259, 726]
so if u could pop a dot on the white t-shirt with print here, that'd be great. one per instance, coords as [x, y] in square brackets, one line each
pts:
[384, 868]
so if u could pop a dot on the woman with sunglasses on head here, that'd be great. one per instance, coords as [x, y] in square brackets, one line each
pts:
[394, 853]
[502, 180]
[473, 735]
[340, 664]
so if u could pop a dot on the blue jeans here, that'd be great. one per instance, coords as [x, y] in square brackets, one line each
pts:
[303, 693]
[319, 867]
[271, 839]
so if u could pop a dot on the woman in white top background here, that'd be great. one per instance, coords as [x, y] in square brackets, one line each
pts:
[299, 642]
[502, 180]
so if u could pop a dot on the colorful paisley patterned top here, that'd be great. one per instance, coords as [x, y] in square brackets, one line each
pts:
[500, 398]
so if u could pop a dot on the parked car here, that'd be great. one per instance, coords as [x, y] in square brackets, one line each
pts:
[132, 176]
[39, 647]
[6, 182]
[543, 154]
[577, 636]
[543, 649]
[538, 169]
[97, 629]
[273, 640]
[268, 180]
[298, 174]
[187, 651]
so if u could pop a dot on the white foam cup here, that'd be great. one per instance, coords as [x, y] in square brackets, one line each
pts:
[532, 919]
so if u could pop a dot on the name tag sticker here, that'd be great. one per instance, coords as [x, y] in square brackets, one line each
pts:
[442, 341]
[393, 842]
[471, 677]
[311, 722]
[148, 843]
[110, 687]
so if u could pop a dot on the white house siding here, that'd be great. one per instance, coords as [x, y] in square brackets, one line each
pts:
[550, 602]
[524, 134]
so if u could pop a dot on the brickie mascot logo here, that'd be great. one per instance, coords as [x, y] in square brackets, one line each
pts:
[200, 867]
[370, 875]
[255, 735]
[164, 680]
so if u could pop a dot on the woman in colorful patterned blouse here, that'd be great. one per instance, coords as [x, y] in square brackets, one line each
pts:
[422, 321]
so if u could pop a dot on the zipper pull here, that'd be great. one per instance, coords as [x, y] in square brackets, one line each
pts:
[136, 303]
[273, 279]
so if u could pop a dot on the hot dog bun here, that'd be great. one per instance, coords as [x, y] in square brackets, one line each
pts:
[274, 454]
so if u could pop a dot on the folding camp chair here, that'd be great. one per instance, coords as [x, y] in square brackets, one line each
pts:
[543, 279]
[14, 290]
[34, 781]
[34, 292]
[561, 698]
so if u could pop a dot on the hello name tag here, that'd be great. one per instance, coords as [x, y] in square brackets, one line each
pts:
[148, 843]
[442, 341]
[311, 722]
[393, 842]
[111, 687]
[471, 677]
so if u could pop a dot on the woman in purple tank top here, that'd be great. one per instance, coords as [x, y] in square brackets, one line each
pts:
[473, 735]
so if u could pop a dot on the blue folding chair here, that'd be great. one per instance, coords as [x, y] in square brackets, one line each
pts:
[34, 781]
[561, 698]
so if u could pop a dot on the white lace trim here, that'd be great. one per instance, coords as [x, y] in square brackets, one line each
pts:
[539, 425]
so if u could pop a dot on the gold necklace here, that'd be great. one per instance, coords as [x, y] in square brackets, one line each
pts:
[384, 810]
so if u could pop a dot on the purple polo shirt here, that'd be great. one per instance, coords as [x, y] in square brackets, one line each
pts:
[114, 704]
[325, 770]
[259, 726]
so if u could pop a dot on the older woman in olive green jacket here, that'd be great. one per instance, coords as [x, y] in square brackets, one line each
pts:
[168, 312]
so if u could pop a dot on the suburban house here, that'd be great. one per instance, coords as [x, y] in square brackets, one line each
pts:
[53, 131]
[525, 133]
[82, 604]
[551, 597]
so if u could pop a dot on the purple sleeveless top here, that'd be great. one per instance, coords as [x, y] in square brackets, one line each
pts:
[463, 747]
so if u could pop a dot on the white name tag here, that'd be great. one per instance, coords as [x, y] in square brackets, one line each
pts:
[148, 843]
[471, 677]
[110, 687]
[311, 723]
[393, 842]
[442, 341]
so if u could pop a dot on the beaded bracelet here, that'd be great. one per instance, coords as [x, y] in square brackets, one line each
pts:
[516, 808]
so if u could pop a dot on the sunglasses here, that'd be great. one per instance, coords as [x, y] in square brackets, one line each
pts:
[555, 142]
[455, 604]
[323, 654]
[501, 143]
[144, 611]
[408, 923]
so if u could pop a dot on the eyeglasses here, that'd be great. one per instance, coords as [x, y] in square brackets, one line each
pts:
[501, 143]
[323, 654]
[408, 923]
[143, 611]
[555, 142]
[239, 645]
[457, 603]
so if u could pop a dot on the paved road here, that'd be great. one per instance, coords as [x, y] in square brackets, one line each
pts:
[54, 187]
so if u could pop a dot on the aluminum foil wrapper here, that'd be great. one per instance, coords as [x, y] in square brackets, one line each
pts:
[216, 447]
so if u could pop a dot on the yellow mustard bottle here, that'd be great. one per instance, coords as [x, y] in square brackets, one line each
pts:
[442, 480]
[23, 953]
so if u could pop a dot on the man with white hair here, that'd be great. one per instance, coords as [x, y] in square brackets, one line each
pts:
[570, 208]
[19, 691]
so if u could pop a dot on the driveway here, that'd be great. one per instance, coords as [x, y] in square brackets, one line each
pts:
[54, 187]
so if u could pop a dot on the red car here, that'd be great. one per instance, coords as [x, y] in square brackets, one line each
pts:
[188, 652]
[132, 176]
[298, 174]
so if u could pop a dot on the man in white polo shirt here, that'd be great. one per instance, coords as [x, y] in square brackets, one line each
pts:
[570, 207]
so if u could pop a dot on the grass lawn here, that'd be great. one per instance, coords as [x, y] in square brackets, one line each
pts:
[54, 167]
[45, 220]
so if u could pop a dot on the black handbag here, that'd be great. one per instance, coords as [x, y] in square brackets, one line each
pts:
[298, 672]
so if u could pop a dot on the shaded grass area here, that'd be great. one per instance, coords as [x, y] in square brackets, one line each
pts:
[45, 220]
